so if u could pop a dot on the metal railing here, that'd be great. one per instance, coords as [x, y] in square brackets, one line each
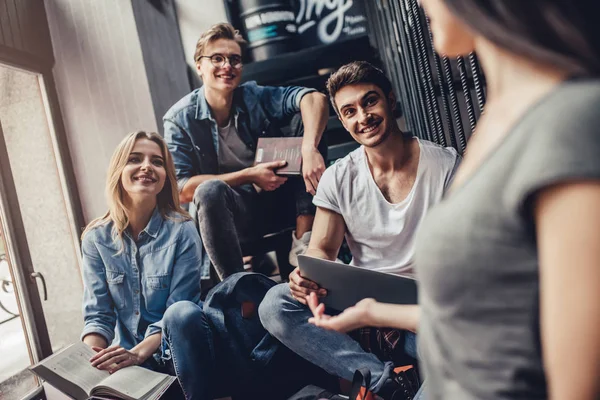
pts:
[436, 92]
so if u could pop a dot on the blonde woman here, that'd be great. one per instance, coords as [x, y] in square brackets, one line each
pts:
[139, 259]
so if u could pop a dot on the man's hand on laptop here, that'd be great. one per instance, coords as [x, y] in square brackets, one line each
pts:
[302, 287]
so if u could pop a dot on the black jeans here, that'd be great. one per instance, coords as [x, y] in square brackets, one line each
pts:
[229, 215]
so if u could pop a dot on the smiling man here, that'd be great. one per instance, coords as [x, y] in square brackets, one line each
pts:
[376, 196]
[212, 133]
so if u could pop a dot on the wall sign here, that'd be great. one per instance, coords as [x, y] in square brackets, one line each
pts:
[328, 21]
[270, 27]
[268, 22]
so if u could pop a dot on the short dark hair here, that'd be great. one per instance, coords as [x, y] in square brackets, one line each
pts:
[354, 73]
[565, 34]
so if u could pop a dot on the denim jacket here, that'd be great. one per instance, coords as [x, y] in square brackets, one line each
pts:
[192, 135]
[191, 131]
[247, 347]
[126, 295]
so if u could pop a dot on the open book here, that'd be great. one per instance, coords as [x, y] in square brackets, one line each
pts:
[71, 372]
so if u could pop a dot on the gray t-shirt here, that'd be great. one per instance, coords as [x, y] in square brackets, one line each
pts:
[234, 155]
[476, 257]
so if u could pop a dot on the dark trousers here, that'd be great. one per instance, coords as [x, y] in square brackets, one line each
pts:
[228, 215]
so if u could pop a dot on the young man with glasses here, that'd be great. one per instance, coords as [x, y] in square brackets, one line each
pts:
[212, 133]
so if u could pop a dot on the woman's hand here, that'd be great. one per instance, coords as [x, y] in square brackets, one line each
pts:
[114, 358]
[352, 318]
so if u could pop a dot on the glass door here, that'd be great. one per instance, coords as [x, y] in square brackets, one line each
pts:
[40, 280]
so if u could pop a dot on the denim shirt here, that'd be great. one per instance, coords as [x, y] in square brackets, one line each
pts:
[191, 131]
[192, 135]
[126, 295]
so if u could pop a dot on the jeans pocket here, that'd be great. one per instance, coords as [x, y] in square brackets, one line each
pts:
[116, 287]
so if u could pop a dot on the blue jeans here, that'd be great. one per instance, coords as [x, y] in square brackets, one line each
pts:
[190, 341]
[337, 353]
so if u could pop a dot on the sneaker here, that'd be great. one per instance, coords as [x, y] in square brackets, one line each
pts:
[402, 385]
[299, 246]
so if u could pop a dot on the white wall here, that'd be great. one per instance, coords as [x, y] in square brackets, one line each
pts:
[196, 16]
[102, 86]
[101, 80]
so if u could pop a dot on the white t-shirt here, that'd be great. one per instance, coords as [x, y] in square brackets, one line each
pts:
[381, 235]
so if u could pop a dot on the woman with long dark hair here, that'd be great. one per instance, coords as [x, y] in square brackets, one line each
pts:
[509, 263]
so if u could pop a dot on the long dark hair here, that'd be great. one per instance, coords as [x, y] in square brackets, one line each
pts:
[564, 33]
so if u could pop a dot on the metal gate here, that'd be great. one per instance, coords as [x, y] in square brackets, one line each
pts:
[441, 98]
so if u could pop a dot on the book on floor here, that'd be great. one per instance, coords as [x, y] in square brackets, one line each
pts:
[278, 149]
[71, 372]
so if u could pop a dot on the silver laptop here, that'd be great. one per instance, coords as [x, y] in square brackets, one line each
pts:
[346, 285]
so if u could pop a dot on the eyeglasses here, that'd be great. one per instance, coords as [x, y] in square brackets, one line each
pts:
[218, 60]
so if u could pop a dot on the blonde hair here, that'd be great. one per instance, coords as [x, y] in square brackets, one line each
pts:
[167, 200]
[216, 32]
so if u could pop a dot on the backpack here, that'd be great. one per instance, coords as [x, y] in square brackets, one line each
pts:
[252, 363]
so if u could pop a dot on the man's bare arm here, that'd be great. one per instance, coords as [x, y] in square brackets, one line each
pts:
[327, 234]
[325, 241]
[315, 112]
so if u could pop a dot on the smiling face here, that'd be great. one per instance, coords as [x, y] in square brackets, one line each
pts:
[144, 175]
[366, 113]
[224, 78]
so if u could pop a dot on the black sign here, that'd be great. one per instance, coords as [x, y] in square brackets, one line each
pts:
[328, 21]
[268, 22]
